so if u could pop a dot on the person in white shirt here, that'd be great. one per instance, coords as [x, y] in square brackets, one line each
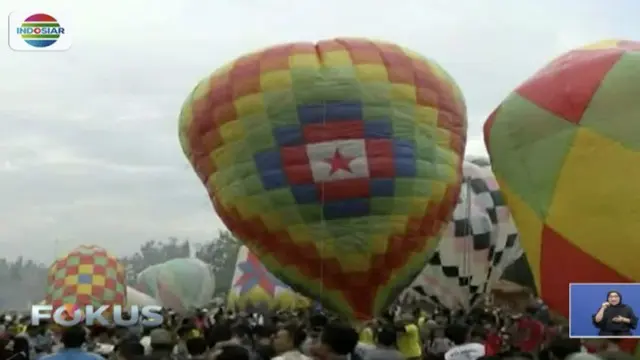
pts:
[145, 340]
[464, 347]
[287, 342]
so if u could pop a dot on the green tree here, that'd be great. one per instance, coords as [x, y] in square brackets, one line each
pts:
[26, 280]
[221, 254]
[154, 252]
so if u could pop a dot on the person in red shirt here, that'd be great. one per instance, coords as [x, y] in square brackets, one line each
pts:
[530, 333]
[201, 321]
[492, 340]
[492, 343]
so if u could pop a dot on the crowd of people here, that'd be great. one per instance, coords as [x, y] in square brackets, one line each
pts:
[490, 333]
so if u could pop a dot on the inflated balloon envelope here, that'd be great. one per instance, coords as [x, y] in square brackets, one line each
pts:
[87, 275]
[336, 163]
[479, 242]
[254, 289]
[565, 148]
[180, 283]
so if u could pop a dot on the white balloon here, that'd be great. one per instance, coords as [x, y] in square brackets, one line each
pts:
[138, 298]
[478, 244]
[180, 284]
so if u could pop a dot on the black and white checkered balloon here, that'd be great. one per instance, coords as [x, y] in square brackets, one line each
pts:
[478, 244]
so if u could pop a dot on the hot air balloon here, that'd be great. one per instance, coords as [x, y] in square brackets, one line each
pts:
[137, 298]
[479, 243]
[147, 280]
[564, 149]
[134, 298]
[337, 163]
[255, 289]
[179, 284]
[88, 275]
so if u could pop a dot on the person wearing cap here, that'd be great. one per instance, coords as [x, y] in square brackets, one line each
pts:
[162, 344]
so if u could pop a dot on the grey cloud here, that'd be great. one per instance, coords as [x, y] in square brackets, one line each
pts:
[102, 205]
[88, 138]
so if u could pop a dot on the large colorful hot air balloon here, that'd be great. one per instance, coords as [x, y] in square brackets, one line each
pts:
[336, 163]
[88, 275]
[255, 289]
[478, 244]
[564, 148]
[134, 298]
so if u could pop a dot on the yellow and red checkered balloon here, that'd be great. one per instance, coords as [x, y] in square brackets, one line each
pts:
[88, 275]
[565, 148]
[337, 163]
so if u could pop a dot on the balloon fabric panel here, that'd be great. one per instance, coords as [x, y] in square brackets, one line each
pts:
[255, 274]
[170, 296]
[188, 279]
[147, 280]
[137, 298]
[487, 196]
[588, 196]
[255, 289]
[88, 275]
[564, 147]
[337, 163]
[478, 244]
[180, 284]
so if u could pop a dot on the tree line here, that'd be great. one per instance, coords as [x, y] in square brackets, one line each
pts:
[23, 281]
[27, 279]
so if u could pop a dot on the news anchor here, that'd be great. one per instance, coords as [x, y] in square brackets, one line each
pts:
[614, 318]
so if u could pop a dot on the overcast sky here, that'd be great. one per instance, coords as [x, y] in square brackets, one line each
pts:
[88, 139]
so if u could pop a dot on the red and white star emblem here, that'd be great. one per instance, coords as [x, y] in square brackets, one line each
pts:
[339, 162]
